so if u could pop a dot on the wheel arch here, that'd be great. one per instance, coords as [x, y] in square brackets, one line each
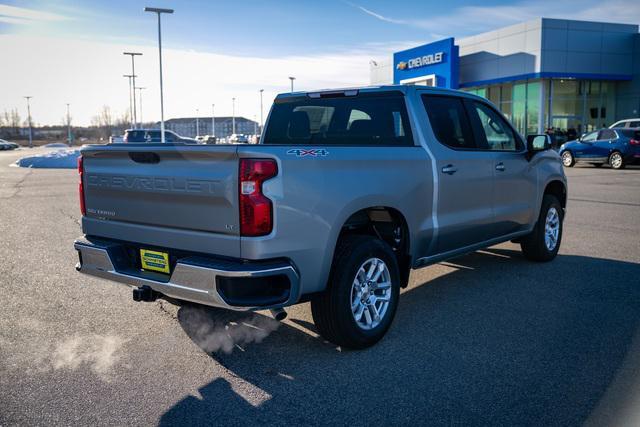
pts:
[388, 224]
[557, 189]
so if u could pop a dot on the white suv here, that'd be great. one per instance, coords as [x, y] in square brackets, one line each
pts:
[628, 123]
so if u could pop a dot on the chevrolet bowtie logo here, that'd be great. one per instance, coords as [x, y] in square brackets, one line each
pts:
[401, 65]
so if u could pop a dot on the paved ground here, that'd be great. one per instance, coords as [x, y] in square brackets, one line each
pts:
[486, 339]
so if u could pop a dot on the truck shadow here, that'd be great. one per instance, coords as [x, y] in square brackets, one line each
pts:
[498, 340]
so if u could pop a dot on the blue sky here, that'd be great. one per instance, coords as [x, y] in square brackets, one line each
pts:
[63, 51]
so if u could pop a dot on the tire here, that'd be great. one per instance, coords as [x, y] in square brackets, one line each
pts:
[567, 159]
[332, 310]
[535, 245]
[616, 161]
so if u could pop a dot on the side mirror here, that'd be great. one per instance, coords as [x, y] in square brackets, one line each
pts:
[537, 143]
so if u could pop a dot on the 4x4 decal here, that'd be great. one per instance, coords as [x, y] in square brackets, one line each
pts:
[314, 152]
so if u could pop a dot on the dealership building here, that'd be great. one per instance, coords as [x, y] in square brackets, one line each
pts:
[545, 73]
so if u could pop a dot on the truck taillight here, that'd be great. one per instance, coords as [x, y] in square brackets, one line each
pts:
[83, 208]
[256, 210]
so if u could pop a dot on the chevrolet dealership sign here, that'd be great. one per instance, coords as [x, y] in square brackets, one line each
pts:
[421, 61]
[436, 62]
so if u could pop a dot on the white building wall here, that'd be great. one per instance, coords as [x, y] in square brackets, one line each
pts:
[381, 72]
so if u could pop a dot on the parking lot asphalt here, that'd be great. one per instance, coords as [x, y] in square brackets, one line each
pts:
[488, 338]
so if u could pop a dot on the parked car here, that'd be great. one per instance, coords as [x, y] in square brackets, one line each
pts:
[346, 193]
[627, 124]
[6, 145]
[616, 147]
[238, 138]
[153, 135]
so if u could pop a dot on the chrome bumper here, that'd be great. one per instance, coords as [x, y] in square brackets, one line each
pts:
[193, 278]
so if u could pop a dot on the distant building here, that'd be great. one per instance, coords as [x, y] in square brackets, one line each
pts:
[186, 126]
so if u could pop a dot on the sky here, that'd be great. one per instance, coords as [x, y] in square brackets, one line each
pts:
[62, 51]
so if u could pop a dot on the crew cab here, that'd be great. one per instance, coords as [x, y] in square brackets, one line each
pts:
[347, 191]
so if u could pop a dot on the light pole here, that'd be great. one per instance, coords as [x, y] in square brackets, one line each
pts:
[292, 79]
[140, 89]
[213, 120]
[197, 122]
[29, 120]
[261, 122]
[131, 96]
[160, 11]
[68, 126]
[133, 73]
[233, 116]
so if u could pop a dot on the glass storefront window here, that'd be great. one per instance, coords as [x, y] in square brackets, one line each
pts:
[518, 117]
[533, 106]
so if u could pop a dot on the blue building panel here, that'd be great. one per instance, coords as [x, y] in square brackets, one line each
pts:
[439, 58]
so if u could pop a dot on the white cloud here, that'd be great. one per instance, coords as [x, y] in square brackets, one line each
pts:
[22, 15]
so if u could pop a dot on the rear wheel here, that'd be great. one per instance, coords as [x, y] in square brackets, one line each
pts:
[616, 161]
[567, 159]
[361, 298]
[544, 241]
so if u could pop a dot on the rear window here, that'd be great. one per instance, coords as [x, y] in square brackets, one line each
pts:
[630, 133]
[366, 119]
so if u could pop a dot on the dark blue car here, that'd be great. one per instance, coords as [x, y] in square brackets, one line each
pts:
[616, 147]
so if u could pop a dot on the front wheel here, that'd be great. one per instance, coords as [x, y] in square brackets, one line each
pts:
[361, 298]
[567, 159]
[544, 241]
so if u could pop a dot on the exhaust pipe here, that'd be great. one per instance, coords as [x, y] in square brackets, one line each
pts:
[278, 313]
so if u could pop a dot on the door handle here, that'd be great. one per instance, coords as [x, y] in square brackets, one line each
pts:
[449, 169]
[500, 167]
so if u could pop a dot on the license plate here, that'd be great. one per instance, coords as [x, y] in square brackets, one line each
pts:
[154, 260]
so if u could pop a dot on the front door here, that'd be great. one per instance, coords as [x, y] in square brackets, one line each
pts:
[515, 181]
[465, 176]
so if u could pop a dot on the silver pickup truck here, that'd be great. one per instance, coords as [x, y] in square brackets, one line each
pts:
[347, 191]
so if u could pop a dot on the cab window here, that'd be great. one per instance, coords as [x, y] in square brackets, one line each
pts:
[493, 131]
[449, 121]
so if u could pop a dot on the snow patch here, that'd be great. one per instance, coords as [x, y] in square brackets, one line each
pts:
[61, 159]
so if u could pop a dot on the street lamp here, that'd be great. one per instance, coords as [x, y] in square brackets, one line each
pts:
[133, 73]
[292, 79]
[213, 120]
[160, 11]
[29, 120]
[197, 122]
[261, 122]
[233, 116]
[140, 89]
[131, 96]
[68, 126]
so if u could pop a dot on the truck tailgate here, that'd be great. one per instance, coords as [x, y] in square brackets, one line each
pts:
[176, 188]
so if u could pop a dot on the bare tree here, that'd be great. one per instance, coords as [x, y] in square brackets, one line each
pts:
[103, 122]
[13, 120]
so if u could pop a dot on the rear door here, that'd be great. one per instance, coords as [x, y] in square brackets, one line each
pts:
[465, 175]
[602, 147]
[515, 182]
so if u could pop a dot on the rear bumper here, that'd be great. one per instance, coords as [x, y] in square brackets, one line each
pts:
[194, 278]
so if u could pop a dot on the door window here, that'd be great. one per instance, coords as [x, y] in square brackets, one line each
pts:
[590, 137]
[449, 121]
[607, 134]
[494, 132]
